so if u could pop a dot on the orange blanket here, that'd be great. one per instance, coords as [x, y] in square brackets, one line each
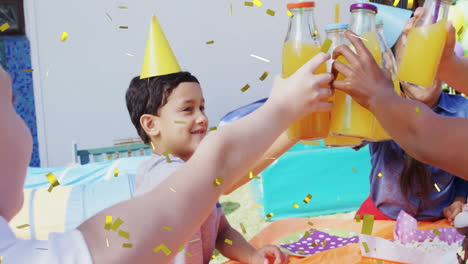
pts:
[348, 254]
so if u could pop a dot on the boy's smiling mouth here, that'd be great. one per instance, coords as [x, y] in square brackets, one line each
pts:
[200, 131]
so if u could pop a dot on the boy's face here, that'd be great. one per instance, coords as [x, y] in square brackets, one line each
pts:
[182, 120]
[15, 151]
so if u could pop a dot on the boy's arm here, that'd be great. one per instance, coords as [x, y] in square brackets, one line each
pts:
[279, 147]
[218, 162]
[232, 244]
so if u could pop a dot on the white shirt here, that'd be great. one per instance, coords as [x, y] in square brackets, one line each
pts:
[61, 248]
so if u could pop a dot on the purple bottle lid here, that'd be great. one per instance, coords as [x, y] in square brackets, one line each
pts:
[363, 6]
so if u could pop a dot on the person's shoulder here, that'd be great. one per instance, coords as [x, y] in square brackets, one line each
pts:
[158, 162]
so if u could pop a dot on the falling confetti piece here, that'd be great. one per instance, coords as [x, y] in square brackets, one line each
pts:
[315, 33]
[116, 172]
[314, 244]
[195, 240]
[367, 225]
[28, 70]
[162, 248]
[258, 57]
[189, 255]
[301, 252]
[251, 4]
[366, 247]
[42, 248]
[437, 232]
[358, 218]
[396, 2]
[218, 181]
[166, 154]
[379, 261]
[356, 36]
[324, 243]
[308, 198]
[271, 12]
[326, 45]
[213, 256]
[210, 42]
[64, 36]
[172, 190]
[290, 14]
[181, 248]
[245, 88]
[152, 146]
[296, 205]
[127, 245]
[258, 206]
[244, 231]
[337, 13]
[354, 169]
[108, 222]
[4, 27]
[22, 226]
[410, 4]
[228, 241]
[167, 228]
[124, 234]
[123, 7]
[110, 18]
[107, 242]
[230, 10]
[306, 235]
[213, 128]
[437, 187]
[418, 110]
[1, 259]
[264, 76]
[379, 175]
[310, 223]
[309, 142]
[117, 224]
[123, 27]
[130, 55]
[270, 215]
[180, 122]
[251, 174]
[109, 157]
[258, 3]
[52, 180]
[270, 158]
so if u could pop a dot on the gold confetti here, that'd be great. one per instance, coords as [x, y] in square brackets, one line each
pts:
[354, 169]
[53, 181]
[418, 110]
[301, 252]
[358, 218]
[310, 142]
[230, 10]
[116, 172]
[210, 42]
[326, 45]
[127, 245]
[264, 76]
[366, 247]
[107, 242]
[258, 206]
[258, 3]
[123, 7]
[28, 70]
[167, 228]
[117, 224]
[270, 158]
[213, 128]
[249, 4]
[181, 248]
[314, 244]
[356, 36]
[337, 13]
[180, 122]
[251, 174]
[437, 232]
[109, 157]
[162, 248]
[437, 187]
[310, 223]
[123, 27]
[64, 36]
[379, 175]
[244, 231]
[152, 146]
[324, 243]
[195, 240]
[367, 225]
[4, 27]
[296, 205]
[290, 14]
[270, 215]
[42, 248]
[245, 88]
[306, 235]
[108, 222]
[22, 226]
[308, 198]
[166, 154]
[124, 234]
[379, 261]
[130, 55]
[1, 259]
[396, 2]
[228, 241]
[315, 33]
[271, 12]
[218, 181]
[214, 256]
[410, 4]
[189, 255]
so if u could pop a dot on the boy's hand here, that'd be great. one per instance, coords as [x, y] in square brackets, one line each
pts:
[269, 255]
[301, 93]
[450, 212]
[364, 79]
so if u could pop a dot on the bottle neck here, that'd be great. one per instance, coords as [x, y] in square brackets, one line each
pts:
[337, 37]
[362, 21]
[302, 27]
[435, 10]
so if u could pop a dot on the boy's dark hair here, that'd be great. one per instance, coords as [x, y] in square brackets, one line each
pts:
[147, 96]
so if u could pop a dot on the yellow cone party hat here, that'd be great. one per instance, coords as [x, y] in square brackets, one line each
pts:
[159, 58]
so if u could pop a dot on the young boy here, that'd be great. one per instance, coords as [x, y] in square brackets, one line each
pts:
[221, 154]
[168, 113]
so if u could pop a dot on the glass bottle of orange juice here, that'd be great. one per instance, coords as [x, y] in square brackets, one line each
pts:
[335, 32]
[421, 56]
[302, 44]
[350, 118]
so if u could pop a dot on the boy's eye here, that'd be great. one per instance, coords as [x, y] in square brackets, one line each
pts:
[187, 109]
[202, 108]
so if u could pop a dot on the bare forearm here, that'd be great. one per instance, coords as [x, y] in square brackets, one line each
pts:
[456, 76]
[240, 250]
[432, 139]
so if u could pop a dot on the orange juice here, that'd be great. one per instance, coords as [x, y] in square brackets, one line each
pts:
[422, 53]
[350, 118]
[315, 125]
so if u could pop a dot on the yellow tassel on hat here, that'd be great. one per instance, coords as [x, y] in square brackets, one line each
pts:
[159, 58]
